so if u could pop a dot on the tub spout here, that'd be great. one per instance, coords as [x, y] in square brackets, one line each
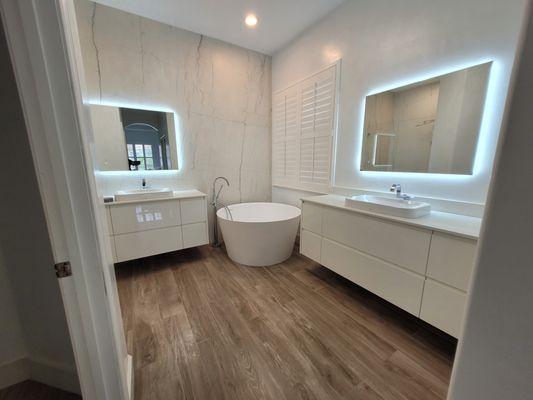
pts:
[228, 211]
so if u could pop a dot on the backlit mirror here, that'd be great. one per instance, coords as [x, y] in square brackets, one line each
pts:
[128, 139]
[431, 126]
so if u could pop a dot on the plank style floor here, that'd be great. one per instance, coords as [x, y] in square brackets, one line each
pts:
[30, 390]
[202, 327]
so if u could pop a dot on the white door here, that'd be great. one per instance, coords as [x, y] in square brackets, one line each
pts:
[40, 35]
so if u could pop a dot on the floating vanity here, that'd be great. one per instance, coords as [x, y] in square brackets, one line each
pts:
[422, 265]
[144, 226]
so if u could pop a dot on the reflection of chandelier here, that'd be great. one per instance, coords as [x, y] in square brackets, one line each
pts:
[134, 126]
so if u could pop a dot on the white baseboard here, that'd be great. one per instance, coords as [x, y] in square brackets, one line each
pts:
[60, 376]
[45, 371]
[14, 372]
[130, 375]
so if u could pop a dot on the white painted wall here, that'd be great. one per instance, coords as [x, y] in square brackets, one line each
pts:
[26, 256]
[12, 346]
[379, 118]
[11, 343]
[415, 111]
[461, 101]
[494, 358]
[446, 126]
[385, 43]
[109, 139]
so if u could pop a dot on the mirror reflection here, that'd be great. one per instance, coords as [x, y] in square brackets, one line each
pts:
[133, 139]
[430, 126]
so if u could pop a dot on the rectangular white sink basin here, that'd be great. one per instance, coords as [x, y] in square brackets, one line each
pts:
[389, 206]
[143, 194]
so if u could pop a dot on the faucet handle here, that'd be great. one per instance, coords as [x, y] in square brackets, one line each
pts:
[395, 187]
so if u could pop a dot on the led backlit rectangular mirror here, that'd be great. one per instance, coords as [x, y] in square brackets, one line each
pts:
[430, 126]
[128, 139]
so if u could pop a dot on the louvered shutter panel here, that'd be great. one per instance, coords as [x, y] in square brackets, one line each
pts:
[307, 116]
[291, 135]
[285, 137]
[278, 137]
[317, 118]
[306, 160]
[303, 123]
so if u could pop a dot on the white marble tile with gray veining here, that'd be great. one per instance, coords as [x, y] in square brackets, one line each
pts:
[220, 92]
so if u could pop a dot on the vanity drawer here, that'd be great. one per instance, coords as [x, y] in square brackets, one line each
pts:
[399, 244]
[130, 246]
[396, 285]
[451, 260]
[312, 217]
[137, 217]
[193, 210]
[310, 245]
[194, 235]
[443, 307]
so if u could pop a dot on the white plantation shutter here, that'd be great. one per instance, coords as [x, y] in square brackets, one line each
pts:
[306, 160]
[285, 137]
[318, 104]
[315, 160]
[317, 117]
[303, 125]
[291, 135]
[291, 159]
[278, 137]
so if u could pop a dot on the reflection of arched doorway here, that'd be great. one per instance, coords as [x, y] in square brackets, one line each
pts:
[146, 139]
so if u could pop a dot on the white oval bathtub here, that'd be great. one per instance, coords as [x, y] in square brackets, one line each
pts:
[259, 234]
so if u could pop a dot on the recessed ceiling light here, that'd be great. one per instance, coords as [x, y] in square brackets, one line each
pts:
[250, 20]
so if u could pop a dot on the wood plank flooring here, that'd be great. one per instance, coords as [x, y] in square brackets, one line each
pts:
[30, 390]
[202, 327]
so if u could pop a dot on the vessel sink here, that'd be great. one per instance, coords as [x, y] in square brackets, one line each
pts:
[143, 194]
[390, 206]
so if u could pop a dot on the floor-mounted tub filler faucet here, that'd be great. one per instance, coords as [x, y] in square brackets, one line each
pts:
[397, 188]
[215, 203]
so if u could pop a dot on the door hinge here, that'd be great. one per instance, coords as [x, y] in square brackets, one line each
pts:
[63, 269]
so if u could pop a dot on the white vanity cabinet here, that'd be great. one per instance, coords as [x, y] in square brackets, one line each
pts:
[145, 228]
[450, 264]
[412, 265]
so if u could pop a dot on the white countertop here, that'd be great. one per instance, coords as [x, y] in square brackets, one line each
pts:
[455, 224]
[176, 195]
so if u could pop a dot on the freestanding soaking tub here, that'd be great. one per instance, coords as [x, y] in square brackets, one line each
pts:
[259, 234]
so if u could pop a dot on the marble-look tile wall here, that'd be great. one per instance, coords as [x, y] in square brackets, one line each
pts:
[220, 92]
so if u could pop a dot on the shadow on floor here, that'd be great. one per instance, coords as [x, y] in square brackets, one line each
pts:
[30, 390]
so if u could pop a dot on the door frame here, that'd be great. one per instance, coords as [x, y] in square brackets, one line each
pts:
[42, 40]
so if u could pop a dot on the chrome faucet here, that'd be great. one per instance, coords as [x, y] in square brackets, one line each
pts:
[215, 193]
[215, 202]
[397, 188]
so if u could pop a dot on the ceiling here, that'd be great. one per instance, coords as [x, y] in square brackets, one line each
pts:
[279, 20]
